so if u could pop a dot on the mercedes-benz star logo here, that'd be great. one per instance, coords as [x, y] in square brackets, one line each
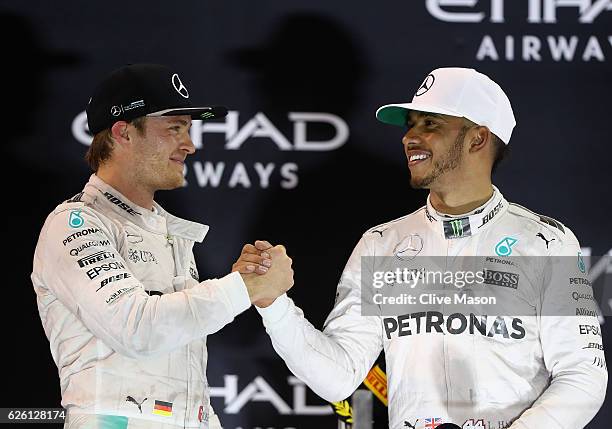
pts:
[115, 110]
[409, 247]
[178, 85]
[426, 85]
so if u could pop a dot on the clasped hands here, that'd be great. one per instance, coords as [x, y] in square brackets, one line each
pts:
[266, 271]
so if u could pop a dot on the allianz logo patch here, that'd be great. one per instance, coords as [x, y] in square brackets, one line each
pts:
[501, 278]
[96, 257]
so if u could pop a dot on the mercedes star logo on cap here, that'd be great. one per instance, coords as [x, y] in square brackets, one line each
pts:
[115, 110]
[426, 85]
[178, 85]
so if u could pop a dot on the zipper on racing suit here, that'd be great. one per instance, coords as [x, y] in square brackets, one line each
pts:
[178, 271]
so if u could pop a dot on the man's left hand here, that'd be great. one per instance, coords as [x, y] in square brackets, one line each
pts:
[254, 258]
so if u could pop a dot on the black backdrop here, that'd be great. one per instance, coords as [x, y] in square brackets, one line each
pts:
[293, 74]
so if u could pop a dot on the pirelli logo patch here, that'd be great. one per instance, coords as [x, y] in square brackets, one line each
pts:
[376, 381]
[94, 258]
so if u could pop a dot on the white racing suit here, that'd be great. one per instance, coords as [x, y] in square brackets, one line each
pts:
[536, 370]
[125, 313]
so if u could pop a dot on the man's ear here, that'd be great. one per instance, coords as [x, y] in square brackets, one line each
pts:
[480, 139]
[119, 131]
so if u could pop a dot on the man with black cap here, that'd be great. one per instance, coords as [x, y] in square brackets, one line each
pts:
[536, 365]
[115, 277]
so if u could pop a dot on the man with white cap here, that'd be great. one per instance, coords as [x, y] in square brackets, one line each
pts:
[540, 367]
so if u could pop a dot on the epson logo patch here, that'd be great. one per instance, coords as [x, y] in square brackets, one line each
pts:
[95, 271]
[501, 278]
[589, 330]
[96, 257]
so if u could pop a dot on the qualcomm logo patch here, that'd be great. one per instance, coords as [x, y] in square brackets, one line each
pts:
[504, 247]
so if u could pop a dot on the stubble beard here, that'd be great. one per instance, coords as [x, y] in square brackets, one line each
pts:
[176, 181]
[170, 179]
[157, 174]
[443, 166]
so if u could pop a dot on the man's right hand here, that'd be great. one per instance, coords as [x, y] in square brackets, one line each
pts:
[264, 289]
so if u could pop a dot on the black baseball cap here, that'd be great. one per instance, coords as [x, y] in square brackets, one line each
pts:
[139, 90]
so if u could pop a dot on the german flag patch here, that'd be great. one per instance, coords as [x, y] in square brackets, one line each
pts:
[162, 408]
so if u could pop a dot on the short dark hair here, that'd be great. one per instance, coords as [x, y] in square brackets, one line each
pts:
[101, 147]
[500, 151]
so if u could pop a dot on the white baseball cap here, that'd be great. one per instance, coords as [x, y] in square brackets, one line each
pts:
[458, 92]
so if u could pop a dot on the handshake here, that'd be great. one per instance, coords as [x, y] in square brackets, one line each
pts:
[266, 271]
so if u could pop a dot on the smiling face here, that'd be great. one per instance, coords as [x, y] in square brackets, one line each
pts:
[434, 147]
[159, 152]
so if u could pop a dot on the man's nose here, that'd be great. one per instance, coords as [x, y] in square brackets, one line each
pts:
[411, 137]
[188, 145]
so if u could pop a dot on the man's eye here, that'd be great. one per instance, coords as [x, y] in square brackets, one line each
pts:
[177, 128]
[429, 123]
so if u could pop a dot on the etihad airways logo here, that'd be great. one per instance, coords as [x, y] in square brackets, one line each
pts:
[258, 391]
[538, 11]
[530, 47]
[256, 173]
